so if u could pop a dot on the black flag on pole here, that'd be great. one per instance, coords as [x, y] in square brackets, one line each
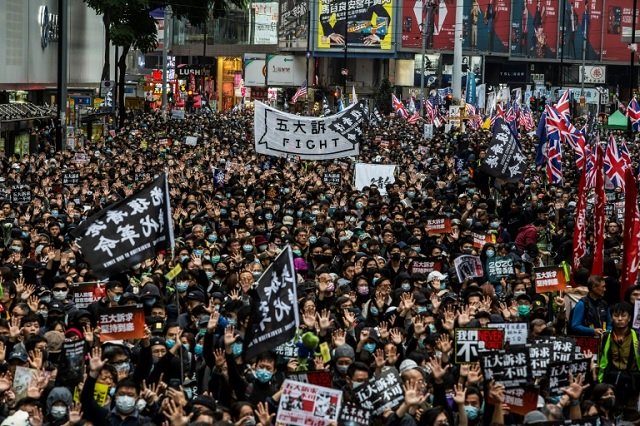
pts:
[129, 231]
[504, 157]
[275, 307]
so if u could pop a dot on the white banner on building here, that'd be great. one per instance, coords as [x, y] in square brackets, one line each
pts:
[281, 134]
[285, 70]
[375, 174]
[255, 72]
[266, 23]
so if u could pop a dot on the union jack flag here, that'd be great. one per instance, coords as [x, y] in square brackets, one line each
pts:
[399, 107]
[591, 153]
[554, 149]
[563, 107]
[499, 114]
[633, 112]
[568, 133]
[624, 152]
[614, 164]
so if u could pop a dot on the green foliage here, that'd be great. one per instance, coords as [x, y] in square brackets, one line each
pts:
[383, 96]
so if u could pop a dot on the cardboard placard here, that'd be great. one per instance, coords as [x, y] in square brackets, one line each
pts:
[587, 344]
[85, 294]
[469, 341]
[332, 178]
[559, 373]
[20, 194]
[353, 415]
[549, 279]
[468, 266]
[539, 357]
[70, 178]
[380, 393]
[81, 158]
[424, 266]
[122, 323]
[438, 226]
[515, 333]
[499, 267]
[304, 404]
[479, 240]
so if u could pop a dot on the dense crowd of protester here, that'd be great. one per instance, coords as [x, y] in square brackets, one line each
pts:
[357, 290]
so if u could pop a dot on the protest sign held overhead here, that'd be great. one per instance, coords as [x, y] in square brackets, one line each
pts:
[468, 266]
[381, 393]
[379, 175]
[129, 231]
[504, 158]
[469, 341]
[515, 333]
[281, 134]
[332, 178]
[70, 178]
[121, 323]
[275, 317]
[303, 404]
[85, 294]
[20, 194]
[438, 226]
[549, 279]
[353, 415]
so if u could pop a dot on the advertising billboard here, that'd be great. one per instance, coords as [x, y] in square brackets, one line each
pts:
[292, 25]
[581, 16]
[285, 70]
[265, 24]
[534, 29]
[444, 20]
[486, 25]
[618, 20]
[367, 24]
[255, 70]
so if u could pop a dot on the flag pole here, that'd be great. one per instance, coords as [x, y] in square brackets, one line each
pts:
[308, 55]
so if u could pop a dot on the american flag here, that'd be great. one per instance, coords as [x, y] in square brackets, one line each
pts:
[413, 119]
[302, 91]
[526, 119]
[633, 112]
[614, 164]
[430, 110]
[399, 107]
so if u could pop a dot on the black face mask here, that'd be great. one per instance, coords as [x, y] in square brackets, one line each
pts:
[395, 256]
[608, 403]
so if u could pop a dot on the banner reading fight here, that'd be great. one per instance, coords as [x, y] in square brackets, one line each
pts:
[281, 134]
[129, 231]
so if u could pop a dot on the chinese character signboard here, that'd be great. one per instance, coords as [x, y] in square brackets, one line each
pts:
[515, 333]
[20, 194]
[549, 279]
[121, 323]
[504, 158]
[471, 340]
[381, 393]
[379, 175]
[129, 231]
[499, 267]
[353, 415]
[559, 373]
[85, 294]
[303, 404]
[70, 178]
[479, 240]
[438, 226]
[424, 266]
[286, 135]
[369, 25]
[332, 178]
[275, 316]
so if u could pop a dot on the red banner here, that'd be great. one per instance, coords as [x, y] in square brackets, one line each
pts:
[122, 323]
[631, 234]
[601, 201]
[618, 19]
[580, 231]
[444, 20]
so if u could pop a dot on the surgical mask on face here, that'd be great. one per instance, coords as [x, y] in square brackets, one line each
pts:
[518, 293]
[212, 238]
[43, 314]
[58, 412]
[329, 231]
[263, 376]
[170, 343]
[405, 287]
[198, 349]
[359, 205]
[232, 322]
[411, 194]
[490, 253]
[342, 369]
[416, 248]
[60, 295]
[150, 301]
[297, 253]
[141, 404]
[182, 286]
[331, 287]
[432, 328]
[369, 347]
[125, 404]
[421, 309]
[256, 275]
[247, 248]
[263, 247]
[524, 310]
[363, 291]
[472, 412]
[356, 385]
[268, 216]
[236, 349]
[39, 250]
[198, 252]
[313, 239]
[184, 258]
[215, 259]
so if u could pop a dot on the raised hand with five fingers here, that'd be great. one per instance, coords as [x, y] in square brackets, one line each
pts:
[262, 412]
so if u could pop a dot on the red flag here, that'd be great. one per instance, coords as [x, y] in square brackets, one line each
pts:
[580, 230]
[631, 234]
[601, 200]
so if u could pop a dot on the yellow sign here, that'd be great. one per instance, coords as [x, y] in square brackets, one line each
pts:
[370, 24]
[174, 272]
[97, 102]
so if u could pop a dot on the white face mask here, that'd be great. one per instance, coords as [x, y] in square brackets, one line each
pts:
[58, 412]
[60, 295]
